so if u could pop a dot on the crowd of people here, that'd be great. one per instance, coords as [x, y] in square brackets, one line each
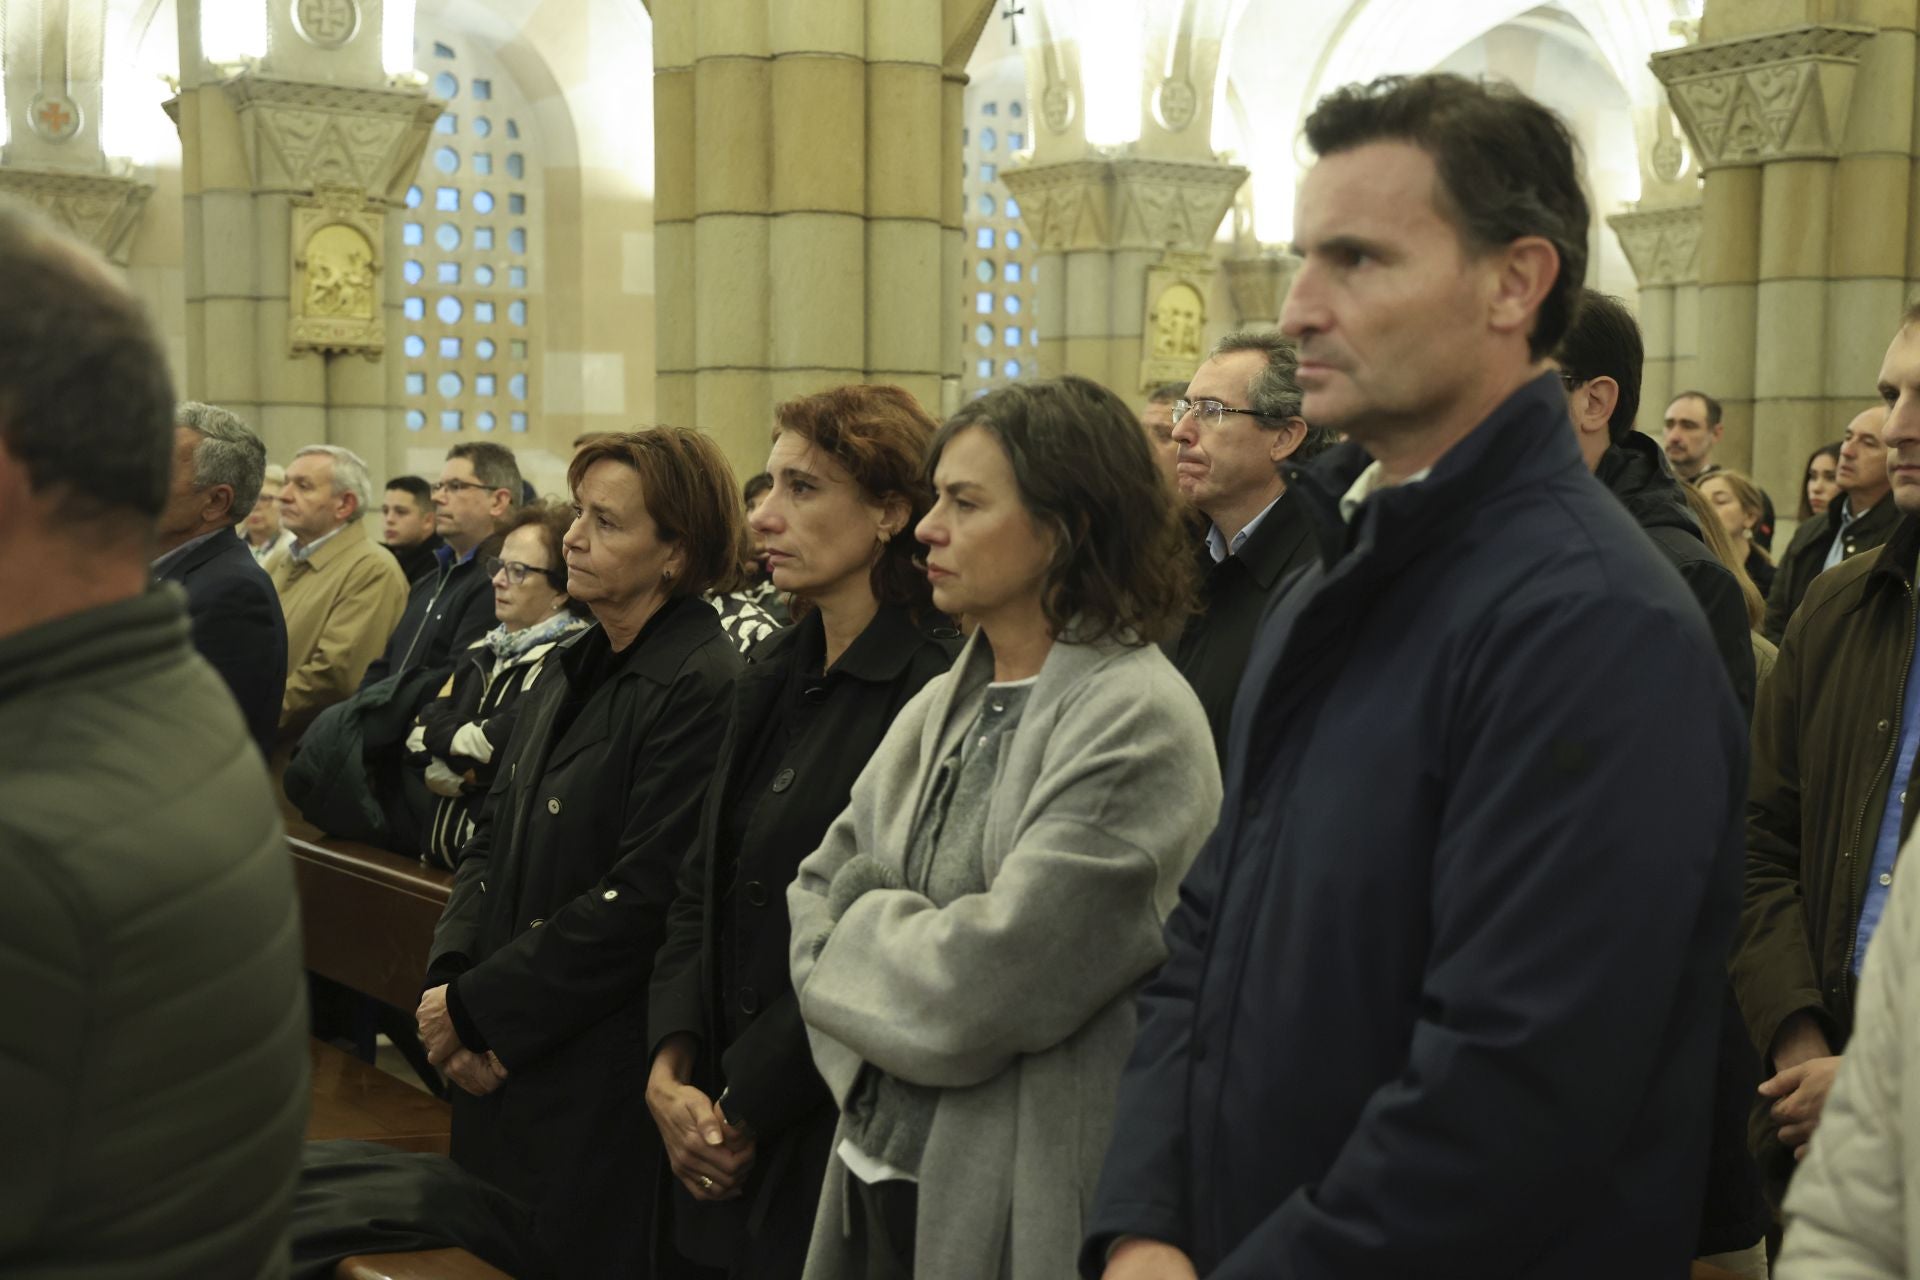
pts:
[1372, 812]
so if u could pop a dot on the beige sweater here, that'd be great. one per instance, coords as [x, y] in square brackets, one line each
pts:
[341, 603]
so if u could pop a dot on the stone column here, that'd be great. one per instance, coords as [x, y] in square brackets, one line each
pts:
[1766, 113]
[291, 164]
[1663, 247]
[820, 244]
[53, 157]
[1259, 284]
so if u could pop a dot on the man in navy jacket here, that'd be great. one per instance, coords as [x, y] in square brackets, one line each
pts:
[218, 466]
[1444, 986]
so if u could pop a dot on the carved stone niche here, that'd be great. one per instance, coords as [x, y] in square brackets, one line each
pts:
[337, 263]
[1779, 96]
[99, 208]
[1176, 318]
[1662, 245]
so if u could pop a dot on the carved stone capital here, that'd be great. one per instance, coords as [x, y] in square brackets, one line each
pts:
[1259, 285]
[1663, 245]
[99, 208]
[1125, 203]
[302, 137]
[1779, 96]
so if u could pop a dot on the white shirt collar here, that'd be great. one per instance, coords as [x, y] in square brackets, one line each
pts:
[1364, 487]
[300, 553]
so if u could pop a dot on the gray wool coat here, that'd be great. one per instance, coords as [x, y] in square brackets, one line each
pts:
[1017, 1002]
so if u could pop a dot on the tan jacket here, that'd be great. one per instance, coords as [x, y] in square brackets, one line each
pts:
[341, 605]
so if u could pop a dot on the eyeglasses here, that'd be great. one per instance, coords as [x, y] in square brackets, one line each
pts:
[455, 486]
[1210, 411]
[1573, 381]
[517, 572]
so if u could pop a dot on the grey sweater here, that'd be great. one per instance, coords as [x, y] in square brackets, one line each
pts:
[1015, 1004]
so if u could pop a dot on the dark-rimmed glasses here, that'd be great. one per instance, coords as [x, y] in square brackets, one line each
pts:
[517, 572]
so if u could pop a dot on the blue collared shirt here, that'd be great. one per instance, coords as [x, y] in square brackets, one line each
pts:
[1219, 548]
[1886, 846]
[300, 551]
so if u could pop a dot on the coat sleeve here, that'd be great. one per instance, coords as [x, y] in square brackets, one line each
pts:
[1531, 1050]
[1145, 1183]
[675, 1001]
[1725, 605]
[1846, 1206]
[234, 628]
[949, 996]
[43, 1043]
[1779, 606]
[355, 631]
[1773, 968]
[595, 954]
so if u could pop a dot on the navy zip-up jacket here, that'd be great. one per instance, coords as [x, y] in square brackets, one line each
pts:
[1444, 986]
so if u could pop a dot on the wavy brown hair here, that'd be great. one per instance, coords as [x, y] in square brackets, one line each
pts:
[1123, 565]
[690, 495]
[881, 436]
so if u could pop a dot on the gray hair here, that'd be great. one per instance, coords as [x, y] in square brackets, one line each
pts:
[349, 473]
[228, 453]
[1274, 393]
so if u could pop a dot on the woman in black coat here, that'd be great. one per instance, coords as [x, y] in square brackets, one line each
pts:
[537, 1007]
[730, 1053]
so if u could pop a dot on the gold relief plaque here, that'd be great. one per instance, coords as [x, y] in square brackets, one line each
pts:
[1176, 317]
[335, 302]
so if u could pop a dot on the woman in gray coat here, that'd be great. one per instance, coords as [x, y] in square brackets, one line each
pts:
[967, 941]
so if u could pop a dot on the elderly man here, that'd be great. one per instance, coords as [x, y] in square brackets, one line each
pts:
[1859, 519]
[1439, 1002]
[153, 1050]
[341, 591]
[218, 466]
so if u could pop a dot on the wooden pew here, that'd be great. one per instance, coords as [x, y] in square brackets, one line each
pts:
[368, 915]
[353, 1100]
[434, 1264]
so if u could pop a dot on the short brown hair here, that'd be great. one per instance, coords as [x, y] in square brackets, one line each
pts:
[553, 521]
[881, 435]
[689, 491]
[1122, 563]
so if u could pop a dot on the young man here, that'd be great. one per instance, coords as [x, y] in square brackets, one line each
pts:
[1402, 1029]
[1692, 429]
[407, 519]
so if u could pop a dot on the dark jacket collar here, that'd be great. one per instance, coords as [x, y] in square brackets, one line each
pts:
[1636, 471]
[89, 645]
[1525, 441]
[1268, 551]
[1893, 564]
[206, 553]
[659, 651]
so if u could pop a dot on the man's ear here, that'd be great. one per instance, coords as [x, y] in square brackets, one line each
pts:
[1603, 397]
[1525, 274]
[1289, 436]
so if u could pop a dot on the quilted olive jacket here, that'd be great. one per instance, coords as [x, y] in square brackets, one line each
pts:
[153, 1059]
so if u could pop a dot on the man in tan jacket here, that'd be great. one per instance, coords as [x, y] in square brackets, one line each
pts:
[341, 591]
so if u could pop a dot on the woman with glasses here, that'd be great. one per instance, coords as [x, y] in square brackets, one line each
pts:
[730, 1053]
[967, 941]
[536, 1002]
[460, 733]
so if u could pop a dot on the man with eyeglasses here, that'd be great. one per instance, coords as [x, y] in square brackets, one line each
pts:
[1240, 419]
[449, 607]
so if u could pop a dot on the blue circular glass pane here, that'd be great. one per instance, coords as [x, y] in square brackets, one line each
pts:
[484, 348]
[517, 384]
[484, 421]
[416, 346]
[482, 126]
[447, 236]
[446, 160]
[416, 420]
[483, 274]
[413, 271]
[483, 202]
[449, 385]
[445, 85]
[414, 197]
[517, 312]
[448, 309]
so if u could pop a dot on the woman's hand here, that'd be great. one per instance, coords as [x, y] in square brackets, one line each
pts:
[711, 1158]
[475, 1073]
[436, 1027]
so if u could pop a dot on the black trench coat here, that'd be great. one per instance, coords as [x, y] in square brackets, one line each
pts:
[557, 911]
[722, 975]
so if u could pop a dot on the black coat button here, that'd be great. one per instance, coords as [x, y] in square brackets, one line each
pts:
[756, 893]
[782, 781]
[749, 1000]
[814, 694]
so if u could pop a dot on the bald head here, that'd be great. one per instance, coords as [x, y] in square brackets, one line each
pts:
[1862, 473]
[86, 404]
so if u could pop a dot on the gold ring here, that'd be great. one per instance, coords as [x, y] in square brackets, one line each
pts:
[706, 1183]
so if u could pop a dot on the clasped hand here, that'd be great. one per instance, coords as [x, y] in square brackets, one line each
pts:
[477, 1074]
